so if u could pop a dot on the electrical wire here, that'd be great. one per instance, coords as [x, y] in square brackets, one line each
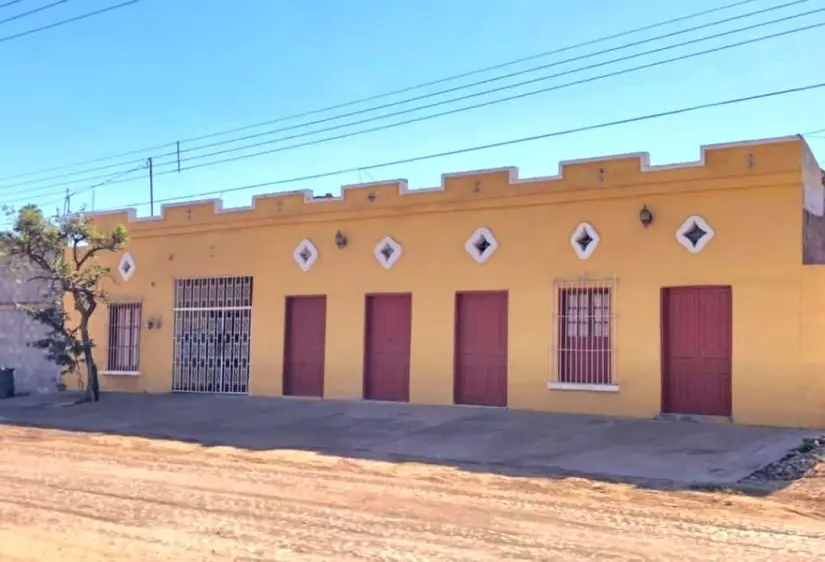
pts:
[34, 11]
[10, 3]
[535, 69]
[67, 21]
[453, 111]
[510, 142]
[554, 134]
[457, 99]
[394, 92]
[445, 91]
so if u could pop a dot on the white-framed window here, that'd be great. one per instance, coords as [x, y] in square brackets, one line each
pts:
[124, 337]
[583, 354]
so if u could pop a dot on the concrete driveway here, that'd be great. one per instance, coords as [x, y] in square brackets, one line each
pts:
[486, 439]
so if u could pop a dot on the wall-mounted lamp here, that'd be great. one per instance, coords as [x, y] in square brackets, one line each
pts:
[372, 196]
[154, 323]
[645, 216]
[340, 240]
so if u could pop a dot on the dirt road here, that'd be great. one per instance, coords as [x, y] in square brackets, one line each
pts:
[68, 497]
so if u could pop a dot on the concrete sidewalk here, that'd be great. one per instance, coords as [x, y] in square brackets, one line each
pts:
[482, 438]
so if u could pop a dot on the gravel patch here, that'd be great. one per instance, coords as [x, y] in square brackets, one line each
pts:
[793, 466]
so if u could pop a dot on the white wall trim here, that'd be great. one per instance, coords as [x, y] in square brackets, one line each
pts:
[307, 244]
[583, 387]
[470, 248]
[594, 235]
[124, 259]
[687, 225]
[120, 373]
[397, 250]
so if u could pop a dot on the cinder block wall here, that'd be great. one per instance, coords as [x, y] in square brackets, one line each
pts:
[32, 371]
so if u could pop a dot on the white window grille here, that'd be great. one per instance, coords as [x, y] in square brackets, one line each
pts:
[213, 322]
[123, 354]
[585, 324]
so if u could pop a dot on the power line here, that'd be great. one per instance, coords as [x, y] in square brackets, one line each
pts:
[34, 11]
[395, 92]
[498, 144]
[67, 21]
[10, 3]
[466, 108]
[461, 98]
[532, 81]
[397, 124]
[534, 69]
[445, 91]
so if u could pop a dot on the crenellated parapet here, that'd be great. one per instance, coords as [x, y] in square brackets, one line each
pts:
[728, 165]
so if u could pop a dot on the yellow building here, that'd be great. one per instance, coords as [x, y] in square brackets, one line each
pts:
[615, 287]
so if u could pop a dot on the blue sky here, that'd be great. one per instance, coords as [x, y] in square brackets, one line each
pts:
[162, 70]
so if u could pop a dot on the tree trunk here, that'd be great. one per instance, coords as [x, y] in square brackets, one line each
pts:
[93, 385]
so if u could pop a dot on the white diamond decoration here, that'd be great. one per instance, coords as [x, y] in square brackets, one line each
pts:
[387, 252]
[305, 254]
[126, 267]
[584, 240]
[694, 234]
[481, 244]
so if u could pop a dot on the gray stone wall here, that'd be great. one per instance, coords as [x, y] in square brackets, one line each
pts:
[32, 371]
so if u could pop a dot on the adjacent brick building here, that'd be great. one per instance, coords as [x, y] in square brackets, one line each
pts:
[32, 371]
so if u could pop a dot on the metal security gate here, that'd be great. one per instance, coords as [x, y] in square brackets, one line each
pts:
[212, 332]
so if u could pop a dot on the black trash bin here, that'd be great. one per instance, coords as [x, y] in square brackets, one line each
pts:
[6, 382]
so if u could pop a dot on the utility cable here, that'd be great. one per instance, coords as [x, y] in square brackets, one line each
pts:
[469, 96]
[454, 111]
[34, 11]
[10, 3]
[67, 21]
[535, 69]
[177, 153]
[394, 92]
[510, 142]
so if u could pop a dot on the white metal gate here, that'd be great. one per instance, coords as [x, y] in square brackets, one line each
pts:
[212, 332]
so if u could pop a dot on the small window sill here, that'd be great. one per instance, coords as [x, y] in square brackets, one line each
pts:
[583, 387]
[120, 373]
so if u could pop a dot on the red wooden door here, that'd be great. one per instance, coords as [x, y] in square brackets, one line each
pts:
[388, 330]
[481, 348]
[697, 334]
[304, 345]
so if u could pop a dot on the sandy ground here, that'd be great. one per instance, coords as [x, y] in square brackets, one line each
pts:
[67, 497]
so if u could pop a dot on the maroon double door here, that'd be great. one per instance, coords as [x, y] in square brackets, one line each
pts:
[304, 345]
[387, 341]
[696, 350]
[481, 348]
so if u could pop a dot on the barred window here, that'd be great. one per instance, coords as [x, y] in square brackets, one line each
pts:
[584, 326]
[124, 337]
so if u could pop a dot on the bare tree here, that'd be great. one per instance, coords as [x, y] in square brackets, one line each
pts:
[61, 252]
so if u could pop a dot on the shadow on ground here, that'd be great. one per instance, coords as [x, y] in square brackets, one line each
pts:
[648, 453]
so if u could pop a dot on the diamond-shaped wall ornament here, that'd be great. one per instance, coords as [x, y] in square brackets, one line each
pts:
[694, 234]
[305, 254]
[584, 240]
[387, 252]
[126, 267]
[481, 244]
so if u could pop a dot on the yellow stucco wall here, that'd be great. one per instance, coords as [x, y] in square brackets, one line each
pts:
[750, 194]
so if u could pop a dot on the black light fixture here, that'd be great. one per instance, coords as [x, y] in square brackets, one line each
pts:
[645, 216]
[340, 240]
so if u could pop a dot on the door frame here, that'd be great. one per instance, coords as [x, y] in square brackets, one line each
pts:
[664, 312]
